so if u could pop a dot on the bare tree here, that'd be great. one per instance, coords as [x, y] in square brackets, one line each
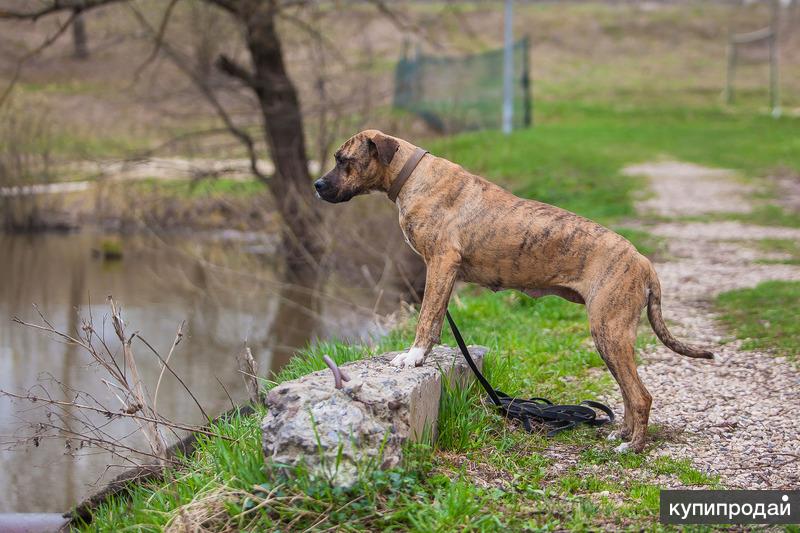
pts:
[267, 78]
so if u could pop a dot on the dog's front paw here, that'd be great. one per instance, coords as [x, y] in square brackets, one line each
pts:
[409, 359]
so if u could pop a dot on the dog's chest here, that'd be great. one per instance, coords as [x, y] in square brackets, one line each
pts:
[407, 227]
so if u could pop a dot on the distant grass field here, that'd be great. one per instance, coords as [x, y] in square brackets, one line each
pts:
[631, 55]
[204, 188]
[573, 158]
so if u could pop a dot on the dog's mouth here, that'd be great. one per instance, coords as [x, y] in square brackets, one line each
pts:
[328, 190]
[335, 197]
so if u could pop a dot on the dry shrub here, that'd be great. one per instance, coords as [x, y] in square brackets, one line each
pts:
[26, 141]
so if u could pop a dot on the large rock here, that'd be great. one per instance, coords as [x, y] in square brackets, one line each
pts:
[336, 433]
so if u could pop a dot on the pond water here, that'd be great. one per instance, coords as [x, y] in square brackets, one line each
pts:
[227, 289]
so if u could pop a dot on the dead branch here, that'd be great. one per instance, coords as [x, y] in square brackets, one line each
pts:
[401, 23]
[159, 38]
[55, 6]
[178, 337]
[175, 375]
[314, 33]
[150, 429]
[249, 369]
[125, 384]
[111, 414]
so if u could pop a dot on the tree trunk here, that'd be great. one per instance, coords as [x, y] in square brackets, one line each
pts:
[283, 128]
[79, 40]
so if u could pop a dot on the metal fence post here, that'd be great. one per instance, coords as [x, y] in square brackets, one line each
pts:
[527, 98]
[774, 88]
[508, 68]
[731, 74]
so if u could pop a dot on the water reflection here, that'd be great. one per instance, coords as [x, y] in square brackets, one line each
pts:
[226, 290]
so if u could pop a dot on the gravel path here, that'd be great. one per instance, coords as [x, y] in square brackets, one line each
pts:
[736, 416]
[693, 189]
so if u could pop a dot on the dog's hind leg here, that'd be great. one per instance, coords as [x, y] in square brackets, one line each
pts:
[614, 333]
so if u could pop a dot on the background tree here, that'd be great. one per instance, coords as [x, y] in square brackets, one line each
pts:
[265, 76]
[80, 41]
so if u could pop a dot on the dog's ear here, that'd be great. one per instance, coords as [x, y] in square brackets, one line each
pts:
[382, 147]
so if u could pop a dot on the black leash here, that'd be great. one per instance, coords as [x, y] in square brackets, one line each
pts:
[538, 410]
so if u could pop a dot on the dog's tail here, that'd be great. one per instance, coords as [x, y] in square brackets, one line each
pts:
[660, 329]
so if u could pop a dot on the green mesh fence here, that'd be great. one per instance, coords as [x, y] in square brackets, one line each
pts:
[453, 94]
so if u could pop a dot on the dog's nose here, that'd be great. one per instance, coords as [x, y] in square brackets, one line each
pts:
[321, 185]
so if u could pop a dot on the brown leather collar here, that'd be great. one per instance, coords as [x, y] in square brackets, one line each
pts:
[409, 166]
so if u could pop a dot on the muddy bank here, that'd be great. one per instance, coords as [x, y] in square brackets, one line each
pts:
[138, 206]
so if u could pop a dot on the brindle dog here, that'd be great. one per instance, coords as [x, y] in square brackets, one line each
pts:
[468, 228]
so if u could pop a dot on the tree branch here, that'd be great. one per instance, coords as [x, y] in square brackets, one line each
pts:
[55, 6]
[237, 132]
[159, 38]
[75, 7]
[231, 6]
[45, 44]
[401, 24]
[108, 413]
[235, 70]
[317, 35]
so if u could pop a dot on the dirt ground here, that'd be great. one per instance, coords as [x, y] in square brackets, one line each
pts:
[734, 416]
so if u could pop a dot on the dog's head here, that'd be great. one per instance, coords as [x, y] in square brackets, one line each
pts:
[361, 166]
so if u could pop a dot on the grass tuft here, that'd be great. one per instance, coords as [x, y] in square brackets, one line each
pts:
[764, 317]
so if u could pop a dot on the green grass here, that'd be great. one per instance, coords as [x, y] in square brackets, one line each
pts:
[538, 347]
[787, 247]
[765, 316]
[764, 213]
[78, 144]
[769, 215]
[192, 189]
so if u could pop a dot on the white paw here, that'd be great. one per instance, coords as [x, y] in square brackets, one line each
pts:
[409, 359]
[622, 448]
[614, 435]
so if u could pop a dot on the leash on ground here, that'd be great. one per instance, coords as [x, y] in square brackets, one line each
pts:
[535, 410]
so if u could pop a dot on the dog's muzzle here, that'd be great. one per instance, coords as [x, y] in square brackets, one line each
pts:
[325, 190]
[329, 193]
